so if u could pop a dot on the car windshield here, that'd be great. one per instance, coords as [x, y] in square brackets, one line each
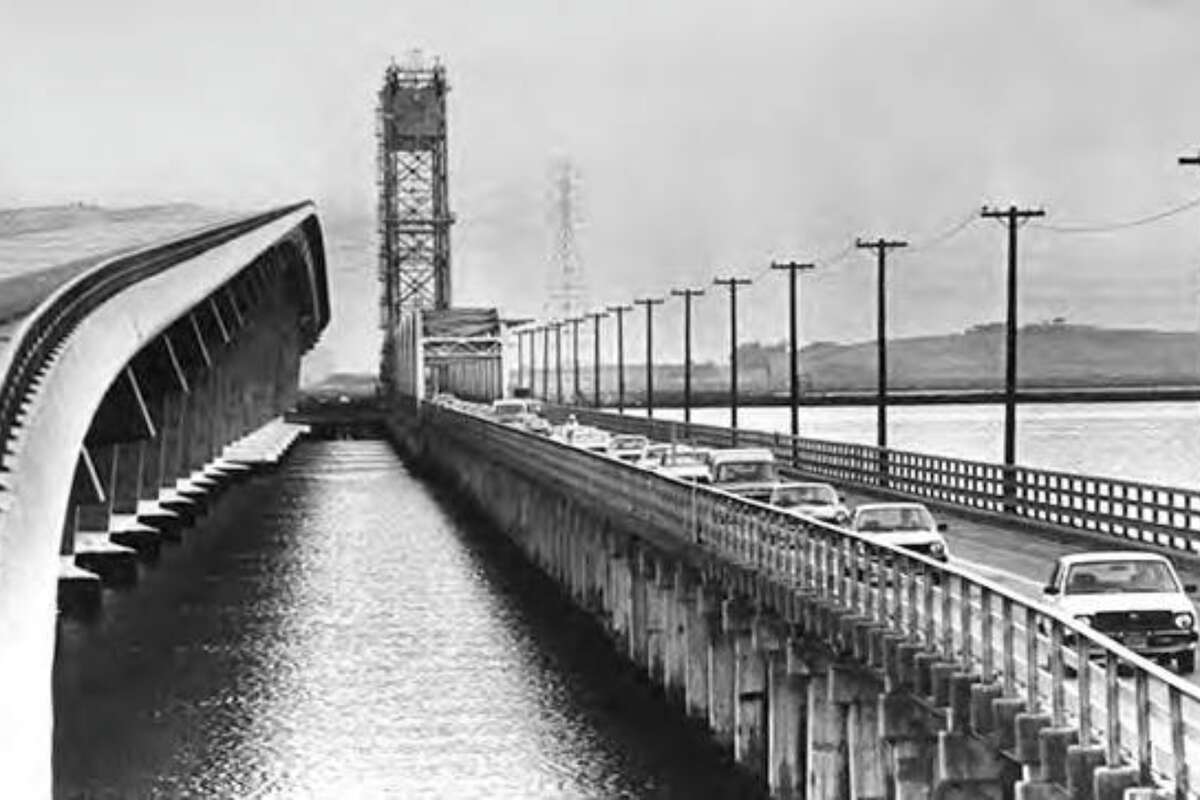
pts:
[745, 472]
[1111, 577]
[788, 496]
[904, 518]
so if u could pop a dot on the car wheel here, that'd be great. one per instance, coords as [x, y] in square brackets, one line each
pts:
[1186, 662]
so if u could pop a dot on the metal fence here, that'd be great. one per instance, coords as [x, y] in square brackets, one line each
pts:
[1139, 512]
[1143, 716]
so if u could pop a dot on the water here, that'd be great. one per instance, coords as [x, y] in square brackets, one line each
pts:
[1154, 442]
[334, 631]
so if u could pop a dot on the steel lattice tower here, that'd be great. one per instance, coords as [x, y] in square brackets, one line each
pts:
[568, 291]
[414, 209]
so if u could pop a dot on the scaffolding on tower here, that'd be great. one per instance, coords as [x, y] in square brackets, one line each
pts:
[414, 212]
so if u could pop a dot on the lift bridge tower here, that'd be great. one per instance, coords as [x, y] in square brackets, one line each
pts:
[414, 208]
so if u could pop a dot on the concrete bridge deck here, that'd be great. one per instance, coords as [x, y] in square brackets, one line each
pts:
[133, 388]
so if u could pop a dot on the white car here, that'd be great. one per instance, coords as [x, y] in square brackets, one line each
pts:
[907, 525]
[584, 437]
[629, 447]
[686, 465]
[749, 472]
[510, 412]
[1133, 597]
[818, 500]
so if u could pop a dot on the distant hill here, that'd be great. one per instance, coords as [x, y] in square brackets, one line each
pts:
[1048, 355]
[35, 219]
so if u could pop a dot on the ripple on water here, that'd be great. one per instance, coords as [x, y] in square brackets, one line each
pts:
[333, 631]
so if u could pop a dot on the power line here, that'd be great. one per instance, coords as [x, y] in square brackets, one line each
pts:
[946, 235]
[1117, 226]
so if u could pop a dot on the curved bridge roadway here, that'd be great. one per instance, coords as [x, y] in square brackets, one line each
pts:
[123, 382]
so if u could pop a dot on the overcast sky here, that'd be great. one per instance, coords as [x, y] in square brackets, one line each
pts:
[711, 137]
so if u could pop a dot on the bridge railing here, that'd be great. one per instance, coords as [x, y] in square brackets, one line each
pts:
[1145, 513]
[1144, 716]
[44, 330]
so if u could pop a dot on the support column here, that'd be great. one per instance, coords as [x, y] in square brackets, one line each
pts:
[88, 529]
[786, 707]
[722, 689]
[123, 525]
[638, 638]
[681, 603]
[704, 616]
[828, 750]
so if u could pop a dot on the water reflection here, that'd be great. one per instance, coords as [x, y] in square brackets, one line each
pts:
[334, 631]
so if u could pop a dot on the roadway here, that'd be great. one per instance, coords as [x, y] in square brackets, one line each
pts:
[43, 248]
[1019, 557]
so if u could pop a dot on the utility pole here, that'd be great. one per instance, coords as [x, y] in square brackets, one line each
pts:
[596, 317]
[558, 382]
[649, 303]
[533, 361]
[881, 246]
[1012, 217]
[520, 358]
[687, 295]
[793, 345]
[1190, 161]
[575, 356]
[620, 312]
[733, 283]
[546, 362]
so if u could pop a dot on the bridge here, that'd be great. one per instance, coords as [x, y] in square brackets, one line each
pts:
[133, 391]
[822, 663]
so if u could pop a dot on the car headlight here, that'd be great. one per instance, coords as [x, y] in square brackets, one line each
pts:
[1184, 621]
[1085, 619]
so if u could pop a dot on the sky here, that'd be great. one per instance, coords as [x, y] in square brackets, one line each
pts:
[710, 138]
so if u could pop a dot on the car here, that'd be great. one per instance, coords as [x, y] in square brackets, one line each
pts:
[818, 500]
[539, 425]
[906, 525]
[749, 472]
[584, 437]
[652, 456]
[1131, 596]
[628, 447]
[510, 411]
[685, 465]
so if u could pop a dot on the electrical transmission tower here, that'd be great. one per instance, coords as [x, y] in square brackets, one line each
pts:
[567, 296]
[414, 208]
